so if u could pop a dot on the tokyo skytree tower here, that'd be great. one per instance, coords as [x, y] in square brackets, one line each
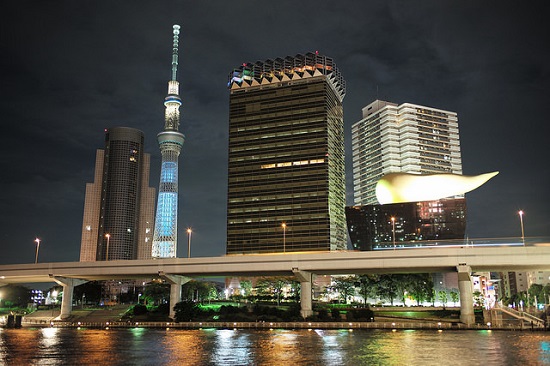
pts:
[170, 141]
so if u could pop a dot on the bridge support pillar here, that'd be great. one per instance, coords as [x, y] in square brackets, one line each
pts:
[175, 282]
[306, 279]
[68, 289]
[466, 294]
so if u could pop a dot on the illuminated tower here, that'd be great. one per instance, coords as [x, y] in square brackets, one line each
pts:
[170, 141]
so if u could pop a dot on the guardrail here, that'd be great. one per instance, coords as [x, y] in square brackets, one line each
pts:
[521, 315]
[272, 325]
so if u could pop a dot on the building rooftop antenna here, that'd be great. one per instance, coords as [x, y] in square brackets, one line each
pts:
[175, 51]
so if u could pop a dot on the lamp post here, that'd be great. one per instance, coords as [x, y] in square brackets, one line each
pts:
[37, 241]
[108, 236]
[284, 237]
[521, 223]
[189, 231]
[393, 230]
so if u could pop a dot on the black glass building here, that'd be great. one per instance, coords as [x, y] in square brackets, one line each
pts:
[404, 224]
[286, 179]
[119, 206]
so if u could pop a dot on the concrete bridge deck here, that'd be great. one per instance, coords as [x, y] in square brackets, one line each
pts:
[303, 265]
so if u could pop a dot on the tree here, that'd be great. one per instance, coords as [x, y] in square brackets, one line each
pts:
[156, 292]
[386, 287]
[421, 288]
[546, 293]
[536, 291]
[404, 283]
[89, 292]
[186, 311]
[345, 286]
[367, 286]
[198, 290]
[15, 295]
[442, 297]
[454, 296]
[246, 287]
[274, 285]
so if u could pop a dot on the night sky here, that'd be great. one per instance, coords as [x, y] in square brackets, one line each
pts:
[70, 69]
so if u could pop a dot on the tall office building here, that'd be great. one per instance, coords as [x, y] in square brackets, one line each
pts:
[286, 181]
[170, 142]
[406, 138]
[119, 205]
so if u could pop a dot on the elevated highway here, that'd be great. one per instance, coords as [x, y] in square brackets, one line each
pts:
[304, 266]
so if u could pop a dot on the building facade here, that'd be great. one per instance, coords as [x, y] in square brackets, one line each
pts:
[374, 227]
[119, 204]
[513, 283]
[170, 141]
[406, 138]
[286, 179]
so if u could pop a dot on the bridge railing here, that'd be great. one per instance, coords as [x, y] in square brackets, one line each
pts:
[467, 242]
[521, 315]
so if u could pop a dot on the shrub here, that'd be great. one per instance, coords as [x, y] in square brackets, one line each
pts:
[139, 309]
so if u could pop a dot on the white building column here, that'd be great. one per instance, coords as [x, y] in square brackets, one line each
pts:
[466, 294]
[68, 289]
[306, 279]
[175, 282]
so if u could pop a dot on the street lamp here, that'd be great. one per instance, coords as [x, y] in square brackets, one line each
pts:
[189, 231]
[521, 223]
[108, 236]
[393, 230]
[284, 237]
[37, 248]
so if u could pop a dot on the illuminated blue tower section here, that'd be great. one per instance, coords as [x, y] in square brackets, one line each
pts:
[170, 141]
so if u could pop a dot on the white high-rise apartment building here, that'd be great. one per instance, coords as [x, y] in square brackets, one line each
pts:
[406, 138]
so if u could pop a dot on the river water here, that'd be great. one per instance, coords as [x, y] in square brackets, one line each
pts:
[141, 346]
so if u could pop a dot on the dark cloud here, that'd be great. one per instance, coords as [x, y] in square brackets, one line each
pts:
[71, 69]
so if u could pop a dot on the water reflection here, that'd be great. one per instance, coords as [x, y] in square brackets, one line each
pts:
[184, 347]
[140, 346]
[230, 345]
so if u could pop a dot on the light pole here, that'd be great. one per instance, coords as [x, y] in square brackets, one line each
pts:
[108, 236]
[37, 248]
[284, 237]
[393, 230]
[189, 231]
[521, 223]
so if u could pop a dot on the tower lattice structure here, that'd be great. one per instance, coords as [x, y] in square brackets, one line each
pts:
[170, 142]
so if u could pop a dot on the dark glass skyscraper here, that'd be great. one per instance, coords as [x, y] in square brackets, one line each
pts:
[286, 188]
[119, 205]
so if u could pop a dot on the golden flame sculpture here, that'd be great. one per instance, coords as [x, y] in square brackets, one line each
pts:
[406, 187]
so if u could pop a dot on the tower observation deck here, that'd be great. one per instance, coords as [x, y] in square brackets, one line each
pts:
[170, 142]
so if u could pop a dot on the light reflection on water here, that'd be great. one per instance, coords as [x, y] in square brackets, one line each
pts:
[140, 346]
